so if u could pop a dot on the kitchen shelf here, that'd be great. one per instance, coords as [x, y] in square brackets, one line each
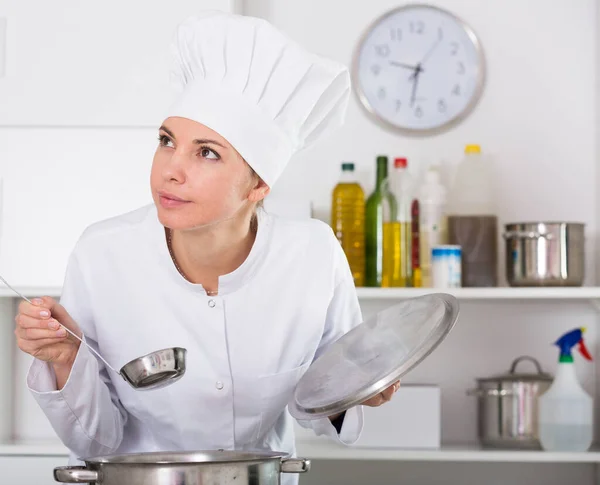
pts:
[332, 451]
[30, 291]
[448, 453]
[586, 293]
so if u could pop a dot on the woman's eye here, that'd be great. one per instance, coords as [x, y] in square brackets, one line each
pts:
[208, 153]
[165, 141]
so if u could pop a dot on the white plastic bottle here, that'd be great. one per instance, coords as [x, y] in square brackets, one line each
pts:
[566, 410]
[472, 219]
[432, 221]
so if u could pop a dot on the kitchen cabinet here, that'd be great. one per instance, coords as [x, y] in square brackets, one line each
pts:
[76, 63]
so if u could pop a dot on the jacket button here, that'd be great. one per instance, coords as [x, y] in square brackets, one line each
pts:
[211, 303]
[219, 385]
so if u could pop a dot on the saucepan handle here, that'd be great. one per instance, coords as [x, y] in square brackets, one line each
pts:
[295, 465]
[75, 474]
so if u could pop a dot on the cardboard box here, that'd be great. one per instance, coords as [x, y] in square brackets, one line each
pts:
[412, 419]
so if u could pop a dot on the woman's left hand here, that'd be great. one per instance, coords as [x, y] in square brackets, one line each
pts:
[383, 397]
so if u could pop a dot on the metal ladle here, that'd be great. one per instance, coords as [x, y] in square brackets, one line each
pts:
[152, 371]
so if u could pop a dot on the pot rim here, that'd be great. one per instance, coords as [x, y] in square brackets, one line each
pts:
[516, 378]
[547, 223]
[201, 457]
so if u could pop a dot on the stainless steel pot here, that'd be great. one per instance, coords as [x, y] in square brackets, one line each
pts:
[508, 407]
[545, 253]
[184, 468]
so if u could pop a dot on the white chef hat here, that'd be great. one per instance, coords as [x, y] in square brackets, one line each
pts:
[262, 92]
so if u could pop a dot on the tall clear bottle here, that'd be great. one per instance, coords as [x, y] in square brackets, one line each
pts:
[397, 234]
[379, 209]
[432, 221]
[348, 220]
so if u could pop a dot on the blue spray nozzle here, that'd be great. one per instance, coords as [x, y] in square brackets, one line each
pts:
[568, 341]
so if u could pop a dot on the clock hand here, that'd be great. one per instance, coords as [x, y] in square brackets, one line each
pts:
[413, 94]
[432, 48]
[401, 64]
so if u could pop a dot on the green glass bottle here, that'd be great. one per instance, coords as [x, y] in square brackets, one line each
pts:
[379, 208]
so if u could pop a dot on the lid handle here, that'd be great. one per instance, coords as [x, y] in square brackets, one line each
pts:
[513, 367]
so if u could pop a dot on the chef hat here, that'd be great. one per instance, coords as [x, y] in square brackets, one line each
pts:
[262, 92]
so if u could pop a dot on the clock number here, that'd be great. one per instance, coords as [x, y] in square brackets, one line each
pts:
[398, 105]
[461, 68]
[396, 34]
[454, 48]
[383, 50]
[456, 90]
[442, 106]
[376, 69]
[418, 112]
[381, 93]
[417, 27]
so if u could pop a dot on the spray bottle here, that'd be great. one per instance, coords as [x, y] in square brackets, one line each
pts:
[566, 409]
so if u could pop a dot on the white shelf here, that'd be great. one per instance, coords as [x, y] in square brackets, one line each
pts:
[33, 449]
[452, 453]
[333, 451]
[30, 291]
[482, 294]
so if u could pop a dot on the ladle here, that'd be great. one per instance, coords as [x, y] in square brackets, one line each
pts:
[152, 371]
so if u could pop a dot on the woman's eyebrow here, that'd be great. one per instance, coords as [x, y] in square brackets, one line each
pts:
[200, 141]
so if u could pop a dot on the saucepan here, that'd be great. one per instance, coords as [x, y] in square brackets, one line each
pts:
[184, 468]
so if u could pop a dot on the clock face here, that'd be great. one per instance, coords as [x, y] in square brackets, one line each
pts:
[419, 69]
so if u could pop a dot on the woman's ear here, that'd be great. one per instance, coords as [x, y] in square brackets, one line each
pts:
[259, 191]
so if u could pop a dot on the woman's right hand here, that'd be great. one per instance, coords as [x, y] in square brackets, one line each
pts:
[40, 335]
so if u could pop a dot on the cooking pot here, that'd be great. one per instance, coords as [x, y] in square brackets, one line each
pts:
[508, 407]
[184, 468]
[545, 253]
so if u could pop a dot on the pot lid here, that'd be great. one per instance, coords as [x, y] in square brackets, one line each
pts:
[513, 375]
[373, 355]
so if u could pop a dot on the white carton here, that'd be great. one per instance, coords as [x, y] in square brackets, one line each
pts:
[412, 419]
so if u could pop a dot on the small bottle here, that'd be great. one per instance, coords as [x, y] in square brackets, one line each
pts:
[566, 410]
[348, 220]
[432, 222]
[397, 262]
[379, 209]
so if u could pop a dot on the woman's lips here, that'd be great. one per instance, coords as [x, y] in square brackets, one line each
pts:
[169, 201]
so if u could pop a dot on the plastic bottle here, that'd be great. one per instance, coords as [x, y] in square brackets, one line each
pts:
[380, 208]
[472, 220]
[348, 220]
[397, 262]
[432, 222]
[566, 409]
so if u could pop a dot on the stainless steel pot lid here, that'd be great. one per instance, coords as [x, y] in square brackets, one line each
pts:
[514, 376]
[373, 355]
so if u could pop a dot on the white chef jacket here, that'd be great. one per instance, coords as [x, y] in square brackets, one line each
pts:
[246, 348]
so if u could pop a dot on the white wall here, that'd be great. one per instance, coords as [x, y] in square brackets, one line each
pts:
[536, 118]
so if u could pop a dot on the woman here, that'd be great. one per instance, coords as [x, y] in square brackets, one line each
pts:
[253, 297]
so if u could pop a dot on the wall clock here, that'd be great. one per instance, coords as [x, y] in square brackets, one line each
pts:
[419, 69]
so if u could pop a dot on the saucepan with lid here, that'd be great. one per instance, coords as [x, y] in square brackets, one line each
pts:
[508, 406]
[356, 367]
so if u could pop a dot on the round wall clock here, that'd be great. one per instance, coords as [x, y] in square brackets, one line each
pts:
[419, 69]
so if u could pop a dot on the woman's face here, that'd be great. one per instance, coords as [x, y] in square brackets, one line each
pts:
[197, 177]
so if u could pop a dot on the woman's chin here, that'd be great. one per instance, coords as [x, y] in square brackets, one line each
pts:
[181, 221]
